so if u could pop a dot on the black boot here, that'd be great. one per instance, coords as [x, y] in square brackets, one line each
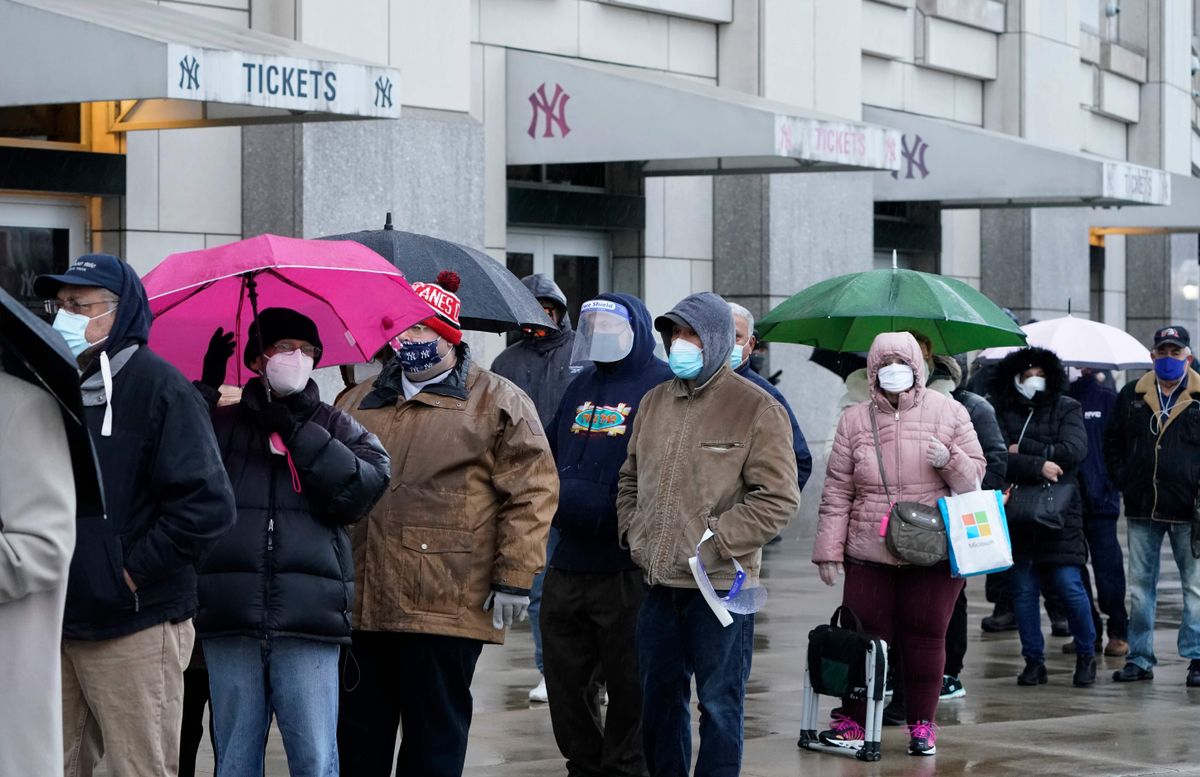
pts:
[1033, 674]
[1002, 619]
[1085, 671]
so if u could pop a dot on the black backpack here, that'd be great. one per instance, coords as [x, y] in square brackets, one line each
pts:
[837, 658]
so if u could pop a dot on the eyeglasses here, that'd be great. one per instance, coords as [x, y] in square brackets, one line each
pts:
[287, 346]
[52, 306]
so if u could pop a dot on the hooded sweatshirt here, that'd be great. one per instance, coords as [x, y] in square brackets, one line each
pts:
[541, 366]
[855, 498]
[709, 315]
[588, 436]
[167, 495]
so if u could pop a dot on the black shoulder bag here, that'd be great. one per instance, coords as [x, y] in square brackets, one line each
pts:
[1043, 504]
[915, 531]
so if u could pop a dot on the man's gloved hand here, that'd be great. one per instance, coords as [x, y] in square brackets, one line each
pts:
[276, 417]
[506, 608]
[216, 358]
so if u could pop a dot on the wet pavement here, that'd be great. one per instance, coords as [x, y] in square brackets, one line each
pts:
[1147, 728]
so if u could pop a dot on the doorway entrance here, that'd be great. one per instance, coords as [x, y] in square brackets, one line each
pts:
[579, 262]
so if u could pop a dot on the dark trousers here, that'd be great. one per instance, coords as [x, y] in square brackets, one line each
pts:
[909, 606]
[956, 636]
[1108, 563]
[678, 636]
[1000, 590]
[420, 681]
[195, 698]
[589, 628]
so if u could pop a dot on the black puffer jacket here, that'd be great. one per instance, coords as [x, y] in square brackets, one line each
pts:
[285, 568]
[1155, 464]
[1055, 432]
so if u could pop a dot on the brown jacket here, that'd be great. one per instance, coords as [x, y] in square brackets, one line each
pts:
[472, 493]
[714, 457]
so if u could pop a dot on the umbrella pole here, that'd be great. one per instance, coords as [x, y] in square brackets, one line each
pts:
[252, 292]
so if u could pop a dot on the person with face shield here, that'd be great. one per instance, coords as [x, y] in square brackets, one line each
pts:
[131, 590]
[593, 589]
[275, 591]
[445, 561]
[1047, 443]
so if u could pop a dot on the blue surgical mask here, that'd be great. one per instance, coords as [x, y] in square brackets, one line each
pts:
[419, 357]
[686, 360]
[1170, 369]
[72, 327]
[735, 357]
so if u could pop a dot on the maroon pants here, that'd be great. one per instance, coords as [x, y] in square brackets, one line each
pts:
[909, 607]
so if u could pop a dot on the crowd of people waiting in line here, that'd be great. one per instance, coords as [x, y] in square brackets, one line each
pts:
[338, 568]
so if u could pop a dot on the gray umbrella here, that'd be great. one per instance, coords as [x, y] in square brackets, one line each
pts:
[493, 299]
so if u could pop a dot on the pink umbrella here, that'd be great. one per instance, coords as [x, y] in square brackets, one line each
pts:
[357, 299]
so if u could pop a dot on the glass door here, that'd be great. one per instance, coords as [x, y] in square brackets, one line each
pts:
[36, 237]
[579, 262]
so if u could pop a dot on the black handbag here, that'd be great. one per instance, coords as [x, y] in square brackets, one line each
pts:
[915, 532]
[1044, 503]
[837, 657]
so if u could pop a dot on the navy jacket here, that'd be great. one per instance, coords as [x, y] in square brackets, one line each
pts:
[167, 495]
[799, 444]
[589, 436]
[1101, 497]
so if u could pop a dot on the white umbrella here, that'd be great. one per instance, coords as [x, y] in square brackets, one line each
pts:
[1082, 343]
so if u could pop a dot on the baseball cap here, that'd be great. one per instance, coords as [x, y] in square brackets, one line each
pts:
[1173, 335]
[100, 270]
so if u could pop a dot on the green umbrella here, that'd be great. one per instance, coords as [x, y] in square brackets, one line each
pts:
[845, 313]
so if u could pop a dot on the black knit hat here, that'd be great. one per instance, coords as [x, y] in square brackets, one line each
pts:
[280, 324]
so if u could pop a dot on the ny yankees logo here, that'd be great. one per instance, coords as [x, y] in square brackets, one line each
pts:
[554, 109]
[383, 92]
[914, 157]
[189, 70]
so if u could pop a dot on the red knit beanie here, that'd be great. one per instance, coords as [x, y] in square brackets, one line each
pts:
[442, 298]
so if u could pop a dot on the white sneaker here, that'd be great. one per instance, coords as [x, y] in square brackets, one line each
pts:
[539, 694]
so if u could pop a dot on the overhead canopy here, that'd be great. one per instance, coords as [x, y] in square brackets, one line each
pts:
[1182, 215]
[174, 69]
[571, 111]
[957, 166]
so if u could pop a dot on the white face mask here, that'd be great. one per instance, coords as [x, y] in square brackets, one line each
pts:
[288, 373]
[1031, 386]
[895, 378]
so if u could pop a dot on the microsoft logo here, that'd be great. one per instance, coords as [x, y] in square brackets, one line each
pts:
[977, 525]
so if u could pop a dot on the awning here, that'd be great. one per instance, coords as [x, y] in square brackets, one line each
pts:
[174, 69]
[1182, 215]
[570, 111]
[957, 166]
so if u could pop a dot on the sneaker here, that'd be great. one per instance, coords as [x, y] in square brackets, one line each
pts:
[952, 688]
[1131, 672]
[894, 713]
[1085, 671]
[1116, 648]
[843, 732]
[1033, 674]
[538, 693]
[922, 738]
[1193, 677]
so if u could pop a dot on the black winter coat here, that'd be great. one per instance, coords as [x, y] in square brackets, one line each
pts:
[991, 439]
[1055, 432]
[285, 568]
[1156, 466]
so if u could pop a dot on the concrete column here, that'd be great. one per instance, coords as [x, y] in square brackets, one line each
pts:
[1158, 271]
[1035, 261]
[1162, 29]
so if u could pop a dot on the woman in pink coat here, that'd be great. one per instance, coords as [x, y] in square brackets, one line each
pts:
[929, 448]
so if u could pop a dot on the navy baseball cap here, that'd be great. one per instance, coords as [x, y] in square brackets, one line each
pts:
[1173, 335]
[101, 270]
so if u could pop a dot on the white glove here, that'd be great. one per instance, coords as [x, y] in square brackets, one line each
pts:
[939, 455]
[506, 608]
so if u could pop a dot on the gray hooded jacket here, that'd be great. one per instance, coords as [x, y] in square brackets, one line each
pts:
[541, 366]
[709, 315]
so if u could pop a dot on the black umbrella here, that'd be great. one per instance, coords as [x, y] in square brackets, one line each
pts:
[838, 362]
[31, 350]
[493, 299]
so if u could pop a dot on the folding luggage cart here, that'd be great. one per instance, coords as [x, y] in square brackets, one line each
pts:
[876, 670]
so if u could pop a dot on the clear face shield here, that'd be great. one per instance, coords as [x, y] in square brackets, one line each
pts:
[605, 333]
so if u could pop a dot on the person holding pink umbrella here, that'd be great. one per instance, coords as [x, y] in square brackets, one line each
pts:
[276, 591]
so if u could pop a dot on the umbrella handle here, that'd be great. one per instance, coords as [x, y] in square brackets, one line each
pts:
[252, 292]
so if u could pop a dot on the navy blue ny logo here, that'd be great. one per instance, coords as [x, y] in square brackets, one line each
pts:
[383, 92]
[914, 157]
[189, 70]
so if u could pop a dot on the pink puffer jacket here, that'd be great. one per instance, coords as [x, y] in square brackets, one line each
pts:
[854, 502]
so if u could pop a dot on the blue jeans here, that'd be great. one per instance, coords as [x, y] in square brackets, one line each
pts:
[1145, 547]
[1067, 581]
[678, 635]
[1108, 566]
[535, 601]
[296, 680]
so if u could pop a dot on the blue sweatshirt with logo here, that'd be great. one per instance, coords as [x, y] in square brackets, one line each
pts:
[589, 436]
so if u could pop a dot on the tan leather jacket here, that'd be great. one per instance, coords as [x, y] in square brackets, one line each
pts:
[472, 493]
[718, 457]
